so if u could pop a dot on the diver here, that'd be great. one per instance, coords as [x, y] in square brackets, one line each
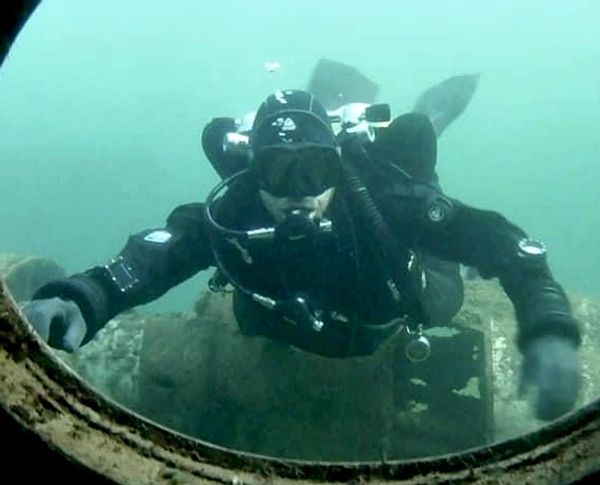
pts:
[333, 242]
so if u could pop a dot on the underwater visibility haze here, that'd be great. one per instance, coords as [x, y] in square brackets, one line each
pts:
[102, 105]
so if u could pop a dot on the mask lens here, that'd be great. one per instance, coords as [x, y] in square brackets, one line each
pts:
[273, 167]
[285, 172]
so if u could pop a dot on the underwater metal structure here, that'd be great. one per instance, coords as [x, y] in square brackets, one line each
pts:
[59, 426]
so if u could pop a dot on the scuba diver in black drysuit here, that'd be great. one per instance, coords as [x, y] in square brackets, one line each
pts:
[333, 245]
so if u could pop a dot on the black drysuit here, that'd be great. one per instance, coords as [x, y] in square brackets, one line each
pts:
[341, 273]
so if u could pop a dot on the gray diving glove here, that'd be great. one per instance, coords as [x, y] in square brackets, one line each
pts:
[59, 322]
[551, 364]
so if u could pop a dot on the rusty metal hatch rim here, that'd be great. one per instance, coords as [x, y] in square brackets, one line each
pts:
[49, 399]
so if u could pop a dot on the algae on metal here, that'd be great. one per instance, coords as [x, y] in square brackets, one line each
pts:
[201, 381]
[195, 373]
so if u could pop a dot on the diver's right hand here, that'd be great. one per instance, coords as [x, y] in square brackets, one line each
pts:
[59, 322]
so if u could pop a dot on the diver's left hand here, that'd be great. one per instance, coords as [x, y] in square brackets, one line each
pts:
[551, 364]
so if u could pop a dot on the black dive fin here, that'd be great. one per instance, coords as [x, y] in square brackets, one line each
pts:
[444, 102]
[335, 84]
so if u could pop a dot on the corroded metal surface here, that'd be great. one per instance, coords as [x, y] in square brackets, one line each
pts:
[274, 399]
[45, 398]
